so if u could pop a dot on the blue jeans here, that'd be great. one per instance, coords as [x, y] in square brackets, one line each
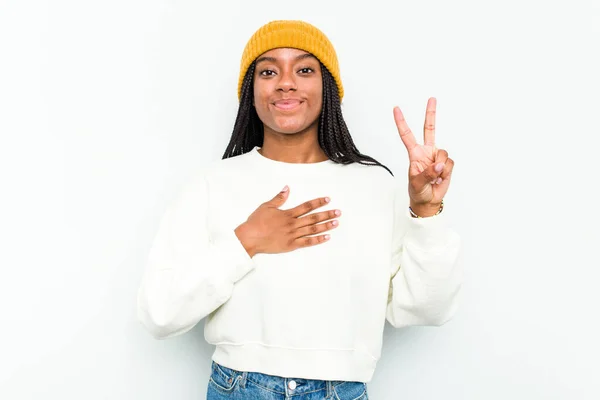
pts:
[226, 383]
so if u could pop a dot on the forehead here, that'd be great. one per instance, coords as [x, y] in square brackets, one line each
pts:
[283, 53]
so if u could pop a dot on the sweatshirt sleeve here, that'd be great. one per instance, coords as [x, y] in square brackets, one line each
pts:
[426, 274]
[189, 272]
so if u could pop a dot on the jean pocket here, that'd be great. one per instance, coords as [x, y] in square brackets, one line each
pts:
[350, 391]
[223, 379]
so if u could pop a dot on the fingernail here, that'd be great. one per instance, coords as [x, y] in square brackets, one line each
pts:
[326, 199]
[439, 180]
[439, 167]
[285, 189]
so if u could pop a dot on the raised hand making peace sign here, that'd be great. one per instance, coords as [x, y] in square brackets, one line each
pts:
[430, 168]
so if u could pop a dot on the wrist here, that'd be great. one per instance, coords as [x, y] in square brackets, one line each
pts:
[426, 210]
[243, 236]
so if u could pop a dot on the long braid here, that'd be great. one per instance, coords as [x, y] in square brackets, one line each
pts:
[334, 137]
[248, 129]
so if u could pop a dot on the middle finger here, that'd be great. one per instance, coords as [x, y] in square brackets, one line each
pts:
[317, 217]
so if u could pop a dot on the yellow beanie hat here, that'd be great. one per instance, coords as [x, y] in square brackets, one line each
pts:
[296, 34]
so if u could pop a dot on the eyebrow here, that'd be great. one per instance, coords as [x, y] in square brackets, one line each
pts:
[273, 59]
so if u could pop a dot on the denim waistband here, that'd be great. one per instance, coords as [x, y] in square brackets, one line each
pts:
[276, 384]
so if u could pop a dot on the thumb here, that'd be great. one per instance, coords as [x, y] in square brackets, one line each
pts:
[281, 197]
[429, 175]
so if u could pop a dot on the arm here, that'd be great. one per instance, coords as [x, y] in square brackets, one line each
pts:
[426, 277]
[188, 273]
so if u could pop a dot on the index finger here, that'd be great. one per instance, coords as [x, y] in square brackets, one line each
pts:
[429, 127]
[405, 133]
[307, 207]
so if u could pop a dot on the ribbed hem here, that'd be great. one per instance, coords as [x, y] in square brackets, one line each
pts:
[326, 364]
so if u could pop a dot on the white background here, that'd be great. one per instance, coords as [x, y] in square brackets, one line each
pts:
[107, 107]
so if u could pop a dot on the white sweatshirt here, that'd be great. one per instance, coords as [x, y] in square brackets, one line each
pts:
[316, 312]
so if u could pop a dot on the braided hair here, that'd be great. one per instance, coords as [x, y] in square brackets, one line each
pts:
[334, 137]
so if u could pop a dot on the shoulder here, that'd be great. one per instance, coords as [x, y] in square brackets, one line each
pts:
[373, 174]
[211, 169]
[219, 167]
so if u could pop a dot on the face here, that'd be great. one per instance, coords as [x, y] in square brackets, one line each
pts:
[288, 90]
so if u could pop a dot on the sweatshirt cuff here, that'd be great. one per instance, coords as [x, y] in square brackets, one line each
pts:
[428, 233]
[238, 259]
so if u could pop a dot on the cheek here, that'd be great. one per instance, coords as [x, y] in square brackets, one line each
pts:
[317, 101]
[320, 99]
[316, 92]
[259, 102]
[263, 112]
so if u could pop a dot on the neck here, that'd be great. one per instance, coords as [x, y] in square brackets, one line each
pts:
[301, 147]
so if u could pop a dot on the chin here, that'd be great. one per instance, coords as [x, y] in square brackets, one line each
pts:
[289, 130]
[288, 127]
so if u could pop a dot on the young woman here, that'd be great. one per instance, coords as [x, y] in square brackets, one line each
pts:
[296, 284]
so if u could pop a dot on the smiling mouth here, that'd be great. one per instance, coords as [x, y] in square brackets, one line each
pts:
[286, 105]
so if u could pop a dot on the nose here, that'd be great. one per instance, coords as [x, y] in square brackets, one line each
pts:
[287, 80]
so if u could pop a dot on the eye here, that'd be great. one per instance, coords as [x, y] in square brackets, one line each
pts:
[306, 70]
[267, 72]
